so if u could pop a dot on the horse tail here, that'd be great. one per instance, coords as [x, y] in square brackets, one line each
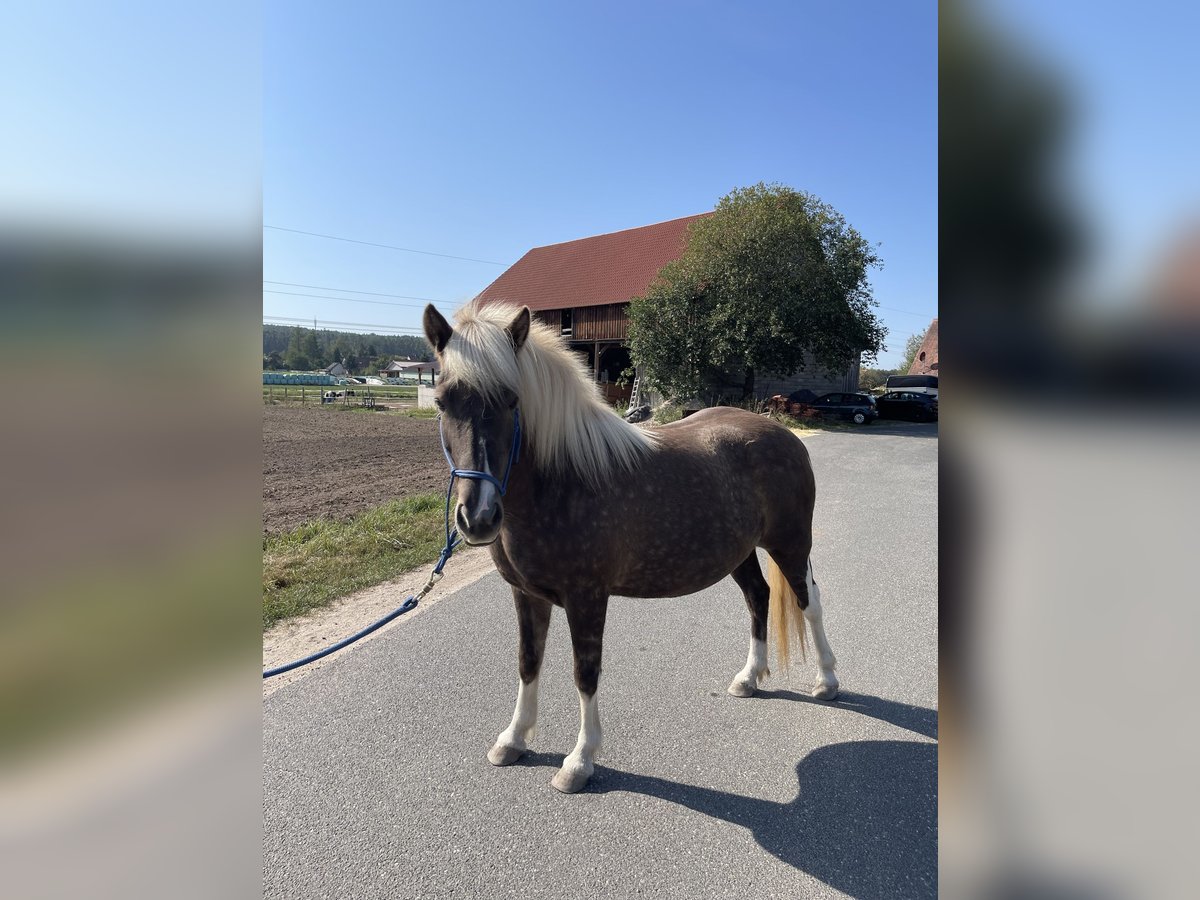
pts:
[784, 617]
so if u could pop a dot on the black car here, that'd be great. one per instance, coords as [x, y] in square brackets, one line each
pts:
[858, 408]
[908, 405]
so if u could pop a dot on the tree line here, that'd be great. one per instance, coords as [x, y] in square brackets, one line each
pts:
[306, 349]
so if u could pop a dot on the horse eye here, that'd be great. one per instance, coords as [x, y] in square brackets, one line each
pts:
[438, 403]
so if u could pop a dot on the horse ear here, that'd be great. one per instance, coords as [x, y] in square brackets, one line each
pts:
[518, 330]
[437, 329]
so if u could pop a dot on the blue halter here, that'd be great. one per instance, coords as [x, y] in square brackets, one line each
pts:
[453, 540]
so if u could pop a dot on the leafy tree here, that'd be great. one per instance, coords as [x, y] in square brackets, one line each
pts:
[911, 347]
[272, 360]
[771, 274]
[869, 379]
[296, 356]
[310, 348]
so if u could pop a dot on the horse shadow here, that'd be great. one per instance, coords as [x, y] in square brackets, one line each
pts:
[917, 719]
[864, 819]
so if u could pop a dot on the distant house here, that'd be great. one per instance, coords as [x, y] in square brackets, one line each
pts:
[337, 370]
[926, 360]
[582, 289]
[408, 367]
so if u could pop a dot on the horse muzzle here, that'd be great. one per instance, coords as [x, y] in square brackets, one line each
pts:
[481, 524]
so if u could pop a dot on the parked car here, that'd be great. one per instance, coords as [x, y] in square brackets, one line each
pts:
[908, 405]
[916, 384]
[858, 408]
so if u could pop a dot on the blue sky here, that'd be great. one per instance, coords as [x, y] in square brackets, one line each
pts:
[1128, 73]
[481, 130]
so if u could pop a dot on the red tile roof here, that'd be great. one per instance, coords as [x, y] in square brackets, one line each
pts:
[607, 268]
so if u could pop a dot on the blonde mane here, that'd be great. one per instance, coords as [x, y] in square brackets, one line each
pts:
[567, 425]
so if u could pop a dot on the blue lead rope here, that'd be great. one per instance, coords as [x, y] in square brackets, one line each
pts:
[453, 542]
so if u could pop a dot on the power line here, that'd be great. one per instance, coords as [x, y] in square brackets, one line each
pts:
[320, 287]
[907, 312]
[334, 237]
[347, 299]
[281, 319]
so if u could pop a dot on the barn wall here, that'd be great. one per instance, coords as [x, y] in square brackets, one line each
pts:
[601, 323]
[811, 377]
[551, 317]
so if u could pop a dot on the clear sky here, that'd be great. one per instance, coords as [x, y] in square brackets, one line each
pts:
[481, 130]
[1128, 75]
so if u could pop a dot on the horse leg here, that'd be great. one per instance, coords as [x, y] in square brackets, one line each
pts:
[798, 571]
[586, 619]
[826, 687]
[533, 622]
[750, 579]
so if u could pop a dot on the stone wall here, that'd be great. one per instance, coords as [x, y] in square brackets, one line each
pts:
[812, 377]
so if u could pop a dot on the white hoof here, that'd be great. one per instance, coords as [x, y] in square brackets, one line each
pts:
[826, 689]
[571, 778]
[505, 754]
[743, 688]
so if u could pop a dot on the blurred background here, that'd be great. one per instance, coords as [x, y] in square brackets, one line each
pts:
[130, 541]
[130, 470]
[1070, 289]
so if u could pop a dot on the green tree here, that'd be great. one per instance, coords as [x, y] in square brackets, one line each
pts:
[869, 379]
[772, 274]
[272, 360]
[311, 348]
[295, 356]
[911, 347]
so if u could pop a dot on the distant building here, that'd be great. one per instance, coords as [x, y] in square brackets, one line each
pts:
[337, 370]
[926, 360]
[408, 367]
[582, 290]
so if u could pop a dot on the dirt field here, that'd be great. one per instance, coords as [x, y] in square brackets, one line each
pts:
[325, 462]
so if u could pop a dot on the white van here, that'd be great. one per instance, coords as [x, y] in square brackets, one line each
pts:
[916, 384]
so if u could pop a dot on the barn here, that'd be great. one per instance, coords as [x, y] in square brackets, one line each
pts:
[926, 360]
[582, 288]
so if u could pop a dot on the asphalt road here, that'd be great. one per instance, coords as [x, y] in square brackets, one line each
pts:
[376, 782]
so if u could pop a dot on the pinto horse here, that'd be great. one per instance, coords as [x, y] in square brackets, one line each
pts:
[591, 506]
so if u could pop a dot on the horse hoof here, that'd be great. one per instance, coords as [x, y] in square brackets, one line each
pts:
[742, 689]
[825, 690]
[570, 781]
[503, 755]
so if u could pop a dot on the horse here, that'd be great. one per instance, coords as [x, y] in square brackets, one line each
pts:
[591, 505]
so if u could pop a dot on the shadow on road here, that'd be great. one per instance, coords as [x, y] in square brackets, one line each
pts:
[917, 719]
[864, 819]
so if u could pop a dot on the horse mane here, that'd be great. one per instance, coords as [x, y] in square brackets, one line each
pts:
[566, 423]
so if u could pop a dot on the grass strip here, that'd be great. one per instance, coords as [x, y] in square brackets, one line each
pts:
[310, 566]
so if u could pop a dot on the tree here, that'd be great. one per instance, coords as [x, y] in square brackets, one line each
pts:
[911, 347]
[869, 379]
[771, 275]
[310, 348]
[296, 357]
[272, 360]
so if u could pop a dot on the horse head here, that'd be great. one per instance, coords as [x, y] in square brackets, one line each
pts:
[479, 422]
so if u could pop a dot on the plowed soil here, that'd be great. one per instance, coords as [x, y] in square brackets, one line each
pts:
[325, 462]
